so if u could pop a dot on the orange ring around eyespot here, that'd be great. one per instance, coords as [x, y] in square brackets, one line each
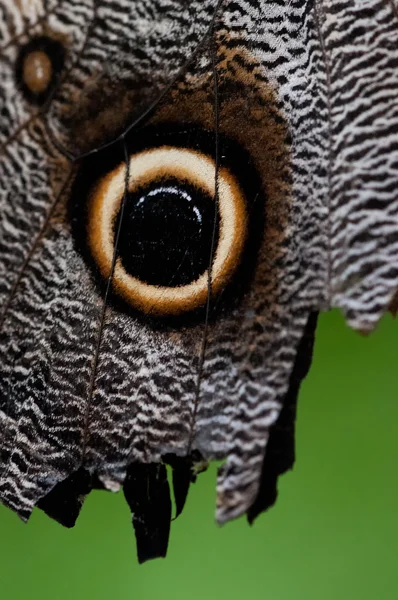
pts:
[145, 167]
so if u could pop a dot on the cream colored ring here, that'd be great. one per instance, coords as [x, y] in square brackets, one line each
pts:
[145, 167]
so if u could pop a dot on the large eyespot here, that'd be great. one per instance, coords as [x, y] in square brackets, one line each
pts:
[38, 67]
[169, 223]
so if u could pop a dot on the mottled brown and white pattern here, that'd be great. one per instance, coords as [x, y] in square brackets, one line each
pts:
[308, 91]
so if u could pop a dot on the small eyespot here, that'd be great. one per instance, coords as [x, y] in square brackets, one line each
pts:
[38, 67]
[169, 224]
[37, 72]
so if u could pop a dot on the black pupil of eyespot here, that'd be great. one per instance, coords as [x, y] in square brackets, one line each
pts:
[166, 233]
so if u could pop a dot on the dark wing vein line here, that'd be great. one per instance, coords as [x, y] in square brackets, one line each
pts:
[202, 355]
[33, 248]
[152, 106]
[15, 134]
[101, 324]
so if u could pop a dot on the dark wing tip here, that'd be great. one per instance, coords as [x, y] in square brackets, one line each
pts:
[147, 493]
[64, 502]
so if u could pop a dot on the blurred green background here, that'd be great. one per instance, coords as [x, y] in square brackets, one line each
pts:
[333, 533]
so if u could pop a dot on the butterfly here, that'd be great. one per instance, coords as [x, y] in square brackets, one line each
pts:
[183, 187]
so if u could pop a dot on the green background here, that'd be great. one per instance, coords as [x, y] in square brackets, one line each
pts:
[333, 533]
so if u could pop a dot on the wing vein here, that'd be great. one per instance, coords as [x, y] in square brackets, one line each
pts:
[101, 325]
[33, 248]
[202, 354]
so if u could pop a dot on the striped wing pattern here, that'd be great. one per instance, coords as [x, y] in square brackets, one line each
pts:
[92, 395]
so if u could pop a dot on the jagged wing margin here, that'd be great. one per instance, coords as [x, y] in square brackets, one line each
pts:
[334, 243]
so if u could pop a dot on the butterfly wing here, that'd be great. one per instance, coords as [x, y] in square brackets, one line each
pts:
[93, 391]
